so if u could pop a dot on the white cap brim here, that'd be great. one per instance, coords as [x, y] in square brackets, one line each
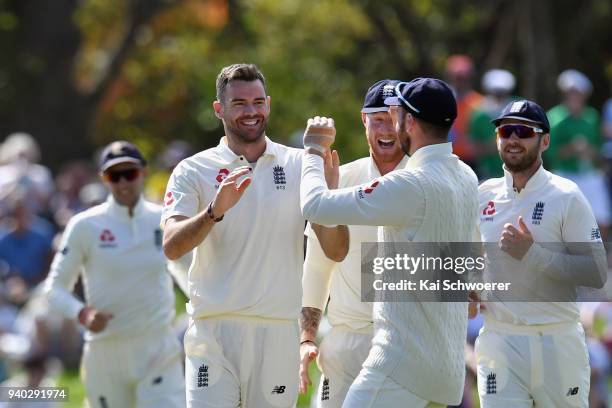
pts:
[376, 109]
[119, 160]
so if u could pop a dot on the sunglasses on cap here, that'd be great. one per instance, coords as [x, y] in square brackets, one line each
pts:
[521, 131]
[116, 176]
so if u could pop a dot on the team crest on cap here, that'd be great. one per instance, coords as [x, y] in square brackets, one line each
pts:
[388, 91]
[116, 148]
[517, 106]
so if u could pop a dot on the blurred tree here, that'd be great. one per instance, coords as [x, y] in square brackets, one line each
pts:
[80, 73]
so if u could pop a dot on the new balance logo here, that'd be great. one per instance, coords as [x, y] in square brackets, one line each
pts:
[203, 376]
[538, 211]
[491, 383]
[325, 390]
[278, 389]
[572, 391]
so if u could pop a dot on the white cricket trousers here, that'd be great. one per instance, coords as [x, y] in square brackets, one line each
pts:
[544, 366]
[235, 361]
[143, 372]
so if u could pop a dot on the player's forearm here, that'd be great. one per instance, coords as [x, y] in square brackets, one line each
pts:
[183, 236]
[334, 241]
[589, 269]
[310, 317]
[62, 300]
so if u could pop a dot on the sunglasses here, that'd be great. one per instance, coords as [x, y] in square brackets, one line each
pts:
[128, 175]
[521, 131]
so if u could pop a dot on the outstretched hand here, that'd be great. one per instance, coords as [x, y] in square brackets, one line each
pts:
[230, 191]
[319, 135]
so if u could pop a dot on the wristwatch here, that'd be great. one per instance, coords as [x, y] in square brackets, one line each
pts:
[209, 212]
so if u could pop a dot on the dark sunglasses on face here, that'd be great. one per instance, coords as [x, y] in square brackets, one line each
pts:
[128, 175]
[521, 131]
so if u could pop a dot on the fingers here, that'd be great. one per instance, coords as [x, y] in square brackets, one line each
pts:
[237, 173]
[335, 158]
[244, 184]
[522, 225]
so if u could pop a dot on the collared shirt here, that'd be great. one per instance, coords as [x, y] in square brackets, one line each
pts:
[555, 211]
[341, 282]
[250, 263]
[123, 267]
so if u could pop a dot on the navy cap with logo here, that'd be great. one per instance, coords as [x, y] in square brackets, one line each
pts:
[428, 99]
[524, 110]
[120, 152]
[375, 97]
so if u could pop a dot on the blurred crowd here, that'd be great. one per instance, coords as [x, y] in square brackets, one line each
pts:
[35, 205]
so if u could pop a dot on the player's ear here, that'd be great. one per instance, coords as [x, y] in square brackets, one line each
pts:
[545, 142]
[269, 100]
[363, 119]
[218, 109]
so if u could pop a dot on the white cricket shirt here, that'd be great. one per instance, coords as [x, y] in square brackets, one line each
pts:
[433, 199]
[250, 264]
[341, 282]
[123, 267]
[555, 211]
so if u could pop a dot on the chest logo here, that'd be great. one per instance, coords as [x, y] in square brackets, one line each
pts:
[538, 212]
[107, 239]
[280, 179]
[489, 209]
[222, 175]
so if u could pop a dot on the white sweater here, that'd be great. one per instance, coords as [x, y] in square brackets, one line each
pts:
[434, 199]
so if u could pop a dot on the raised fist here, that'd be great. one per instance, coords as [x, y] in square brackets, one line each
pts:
[320, 134]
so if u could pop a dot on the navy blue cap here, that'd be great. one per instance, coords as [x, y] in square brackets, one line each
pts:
[120, 152]
[375, 97]
[524, 110]
[428, 99]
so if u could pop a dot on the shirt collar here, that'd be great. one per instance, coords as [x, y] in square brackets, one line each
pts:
[535, 182]
[229, 156]
[428, 152]
[121, 210]
[374, 169]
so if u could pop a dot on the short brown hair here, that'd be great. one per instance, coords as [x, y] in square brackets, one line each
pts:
[238, 72]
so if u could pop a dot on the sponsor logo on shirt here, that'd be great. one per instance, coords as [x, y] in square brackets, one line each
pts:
[278, 389]
[572, 391]
[107, 239]
[538, 212]
[367, 190]
[223, 173]
[280, 180]
[169, 198]
[488, 212]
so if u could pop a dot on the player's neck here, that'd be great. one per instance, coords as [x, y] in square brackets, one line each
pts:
[251, 151]
[521, 178]
[386, 167]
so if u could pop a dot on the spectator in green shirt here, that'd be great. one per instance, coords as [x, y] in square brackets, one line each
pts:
[575, 143]
[497, 85]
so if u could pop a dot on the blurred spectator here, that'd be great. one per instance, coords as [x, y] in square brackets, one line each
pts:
[67, 201]
[498, 85]
[19, 155]
[176, 151]
[459, 73]
[606, 130]
[25, 241]
[575, 143]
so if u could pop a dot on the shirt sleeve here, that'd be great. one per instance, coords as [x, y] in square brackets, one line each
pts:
[182, 196]
[584, 261]
[65, 269]
[383, 201]
[318, 270]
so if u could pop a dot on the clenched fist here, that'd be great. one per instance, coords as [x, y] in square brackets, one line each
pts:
[319, 135]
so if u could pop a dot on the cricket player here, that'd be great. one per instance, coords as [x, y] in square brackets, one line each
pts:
[131, 356]
[534, 353]
[242, 344]
[417, 354]
[346, 347]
